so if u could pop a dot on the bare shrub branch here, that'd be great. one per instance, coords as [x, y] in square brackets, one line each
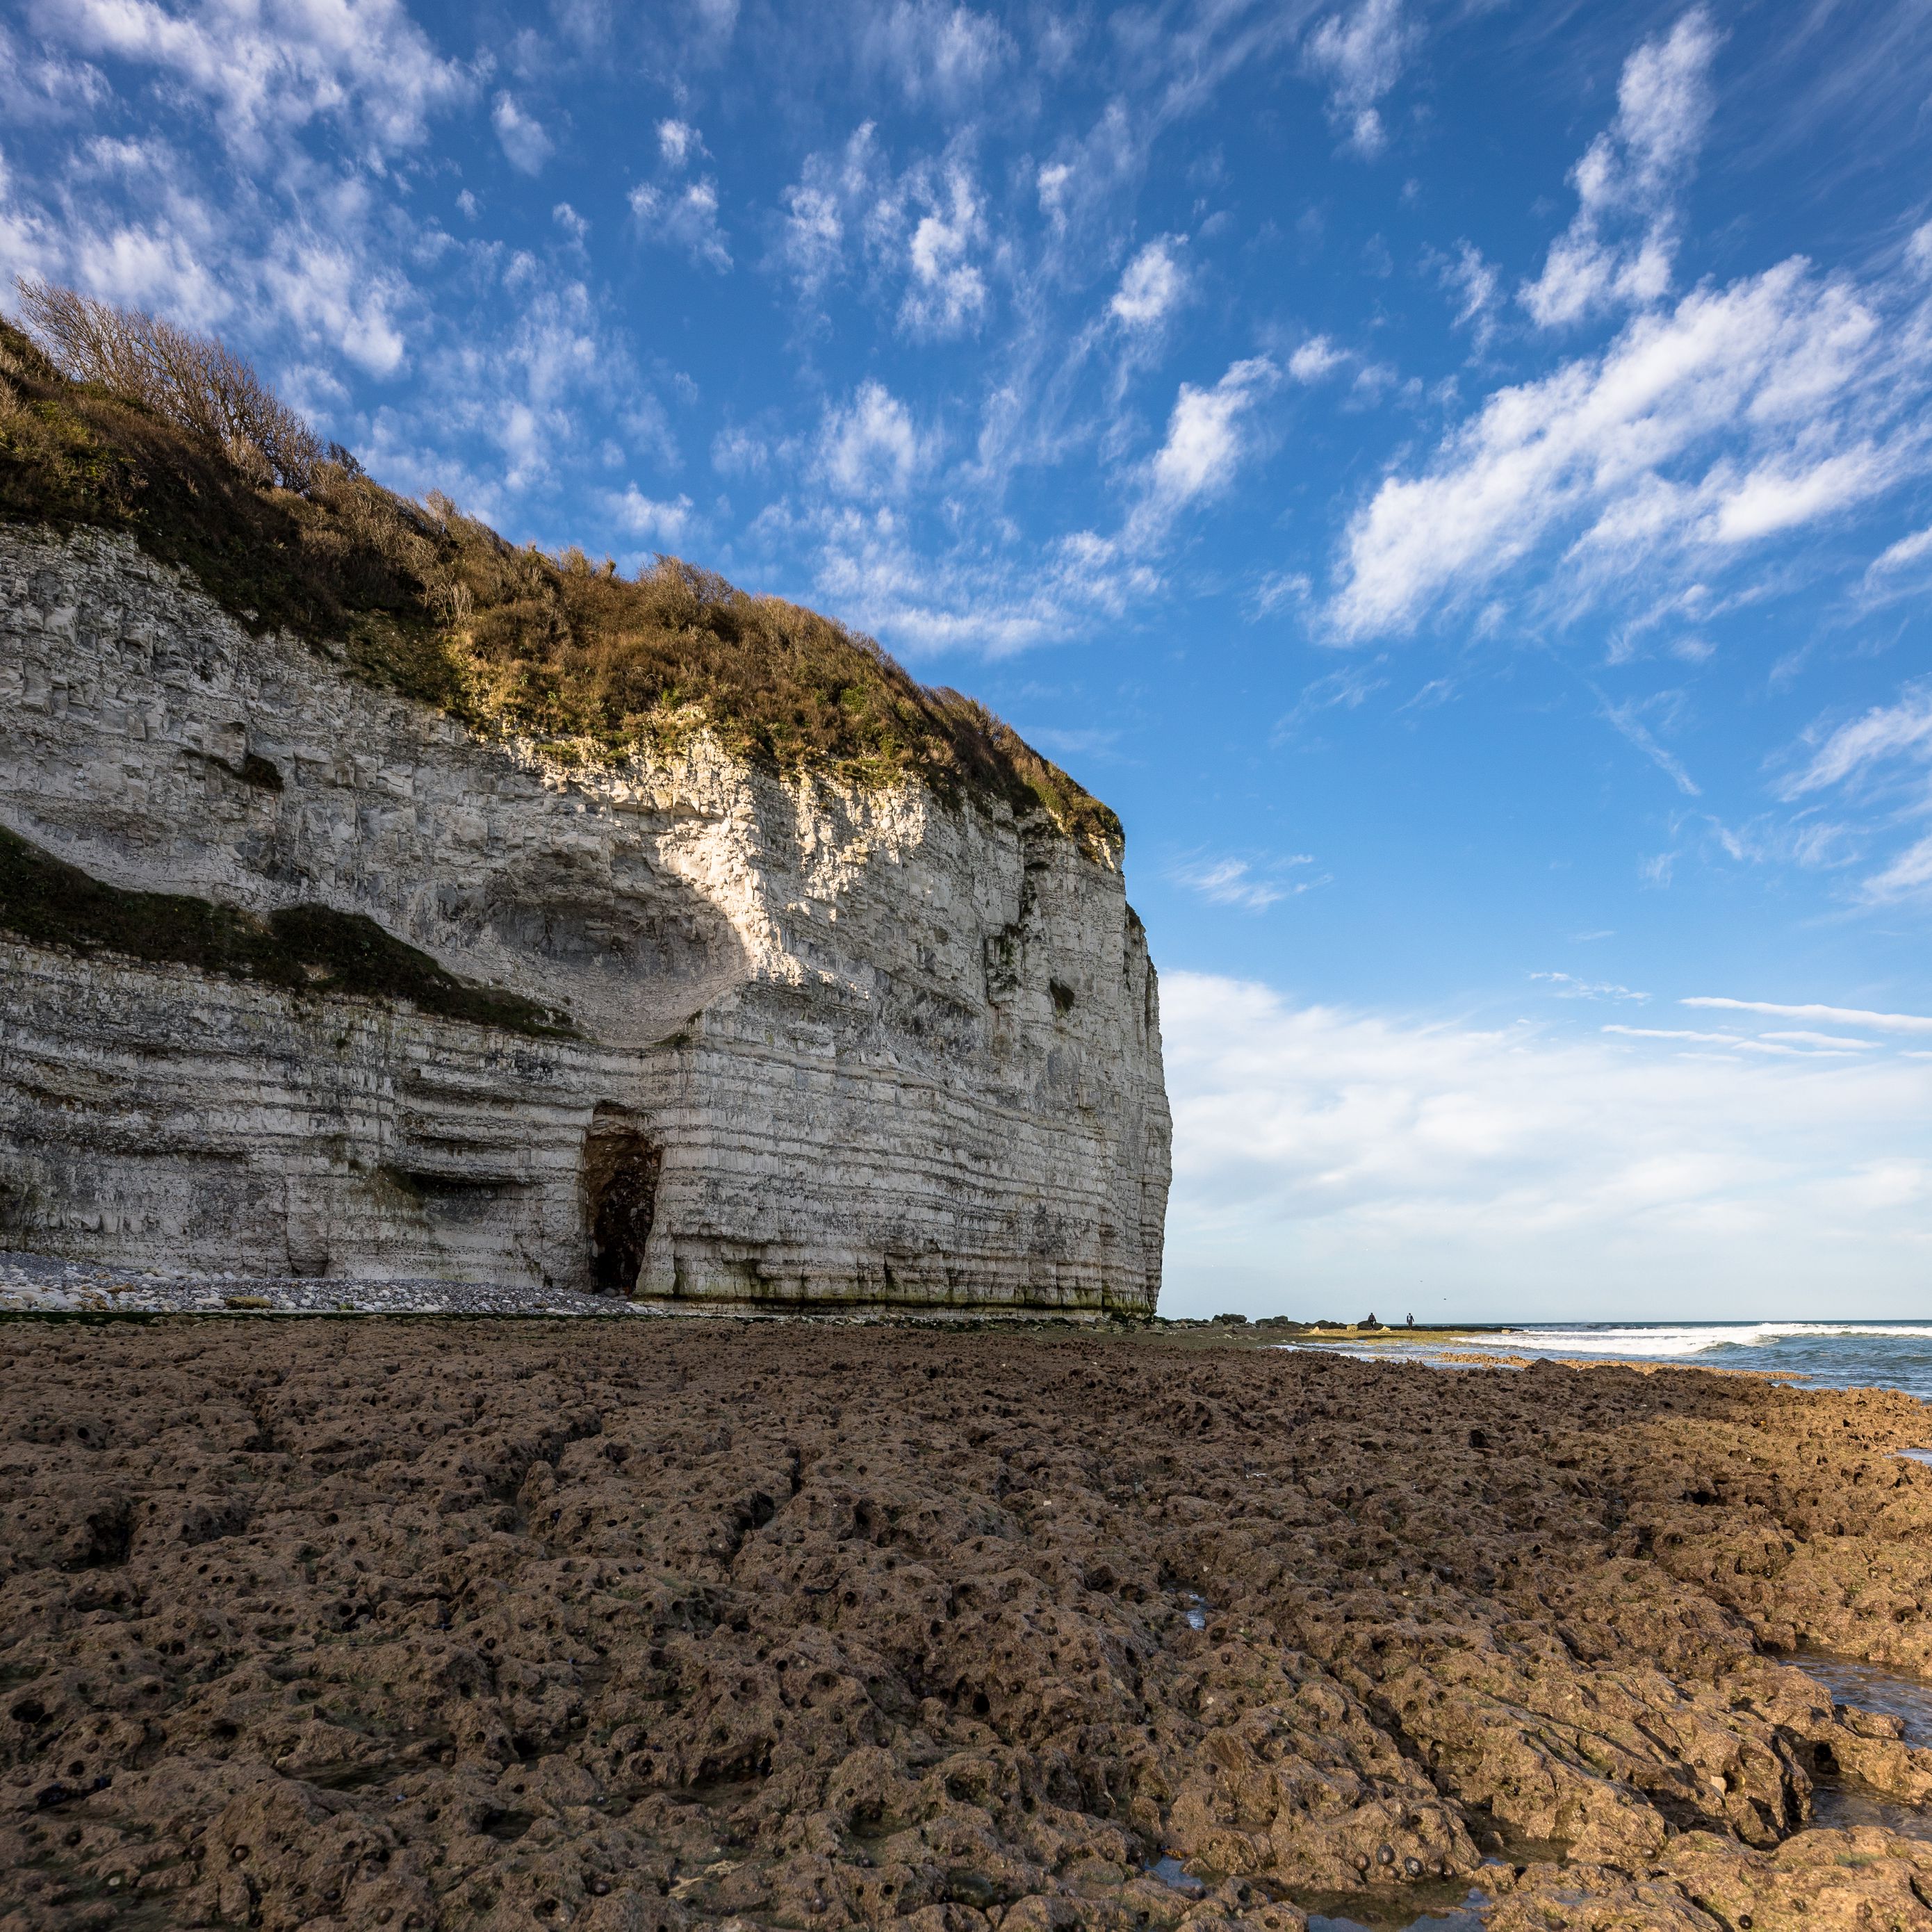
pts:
[193, 381]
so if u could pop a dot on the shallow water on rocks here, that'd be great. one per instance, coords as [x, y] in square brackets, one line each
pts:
[1840, 1803]
[1871, 1686]
[1464, 1917]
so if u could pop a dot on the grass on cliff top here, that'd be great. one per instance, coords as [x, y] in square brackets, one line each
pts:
[304, 948]
[439, 608]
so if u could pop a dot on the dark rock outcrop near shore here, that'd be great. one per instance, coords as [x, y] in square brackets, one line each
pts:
[332, 1624]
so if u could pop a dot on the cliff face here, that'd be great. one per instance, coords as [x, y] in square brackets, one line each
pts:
[825, 1043]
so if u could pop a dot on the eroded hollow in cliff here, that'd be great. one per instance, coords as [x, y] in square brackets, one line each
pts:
[621, 1167]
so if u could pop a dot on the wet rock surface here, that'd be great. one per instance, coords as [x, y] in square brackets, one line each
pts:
[663, 1625]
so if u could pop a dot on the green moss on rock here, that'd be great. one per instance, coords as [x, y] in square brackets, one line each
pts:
[309, 949]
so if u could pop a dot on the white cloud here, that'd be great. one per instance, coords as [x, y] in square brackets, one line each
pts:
[683, 215]
[1628, 722]
[1331, 1158]
[522, 135]
[946, 290]
[332, 291]
[1618, 249]
[1852, 1016]
[1567, 986]
[1361, 58]
[938, 54]
[1908, 550]
[1154, 285]
[831, 192]
[1477, 286]
[664, 522]
[1880, 756]
[1316, 357]
[1235, 882]
[1206, 441]
[922, 233]
[1886, 732]
[1347, 689]
[276, 64]
[677, 213]
[1731, 1041]
[972, 594]
[738, 452]
[870, 449]
[1908, 877]
[678, 143]
[1778, 401]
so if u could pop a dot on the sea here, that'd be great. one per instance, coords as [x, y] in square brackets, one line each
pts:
[1825, 1354]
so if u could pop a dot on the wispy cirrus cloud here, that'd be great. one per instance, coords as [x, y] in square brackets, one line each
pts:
[1208, 436]
[679, 206]
[1619, 247]
[1568, 986]
[1251, 886]
[364, 65]
[1360, 55]
[1855, 750]
[1852, 1016]
[1746, 412]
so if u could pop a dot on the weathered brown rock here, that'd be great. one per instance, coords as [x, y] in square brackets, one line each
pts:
[659, 1626]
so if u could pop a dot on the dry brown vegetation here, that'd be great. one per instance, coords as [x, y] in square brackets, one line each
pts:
[112, 419]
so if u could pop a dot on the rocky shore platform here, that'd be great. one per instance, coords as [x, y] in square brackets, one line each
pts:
[660, 1625]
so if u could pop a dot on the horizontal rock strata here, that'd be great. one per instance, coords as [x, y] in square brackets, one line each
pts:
[641, 1625]
[823, 1044]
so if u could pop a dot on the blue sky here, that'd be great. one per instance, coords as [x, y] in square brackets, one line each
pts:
[1457, 477]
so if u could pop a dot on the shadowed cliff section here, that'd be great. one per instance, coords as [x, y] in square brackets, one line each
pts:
[439, 608]
[302, 949]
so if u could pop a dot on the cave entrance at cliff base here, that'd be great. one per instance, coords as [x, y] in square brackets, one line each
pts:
[620, 1186]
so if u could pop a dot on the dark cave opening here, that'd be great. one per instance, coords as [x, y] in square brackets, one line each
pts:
[620, 1185]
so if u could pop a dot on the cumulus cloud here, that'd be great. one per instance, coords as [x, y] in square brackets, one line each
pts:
[683, 215]
[821, 207]
[277, 65]
[1759, 408]
[1360, 56]
[1324, 1152]
[678, 143]
[1314, 358]
[1154, 285]
[522, 136]
[677, 212]
[870, 448]
[667, 522]
[922, 233]
[945, 290]
[1207, 439]
[939, 55]
[1619, 247]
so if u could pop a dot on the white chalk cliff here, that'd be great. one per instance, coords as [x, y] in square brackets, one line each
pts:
[829, 1044]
